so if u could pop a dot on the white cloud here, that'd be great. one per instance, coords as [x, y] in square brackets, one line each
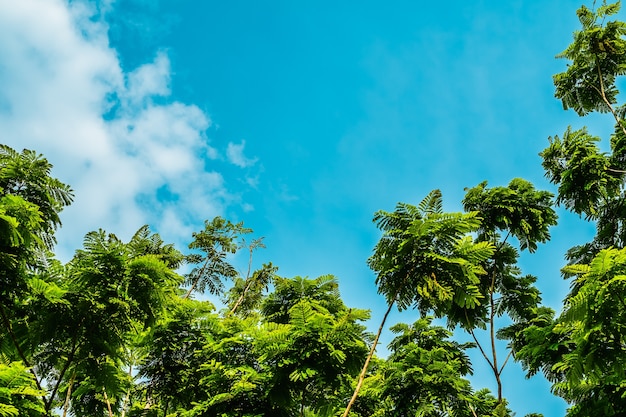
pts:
[58, 78]
[235, 155]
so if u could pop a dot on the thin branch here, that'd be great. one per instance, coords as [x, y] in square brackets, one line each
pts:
[493, 344]
[70, 358]
[471, 332]
[248, 283]
[367, 361]
[68, 395]
[106, 398]
[127, 396]
[505, 361]
[602, 93]
[195, 283]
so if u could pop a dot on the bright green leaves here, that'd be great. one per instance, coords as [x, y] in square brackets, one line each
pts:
[456, 266]
[19, 396]
[596, 312]
[518, 209]
[27, 175]
[582, 351]
[582, 173]
[590, 181]
[324, 346]
[85, 315]
[424, 375]
[292, 360]
[424, 255]
[597, 56]
[30, 203]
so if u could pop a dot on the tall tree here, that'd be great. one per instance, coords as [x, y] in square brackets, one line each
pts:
[590, 181]
[426, 258]
[581, 351]
[424, 373]
[30, 203]
[518, 211]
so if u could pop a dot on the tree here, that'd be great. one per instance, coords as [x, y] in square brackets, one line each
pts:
[324, 344]
[522, 212]
[581, 351]
[428, 259]
[19, 395]
[30, 203]
[424, 373]
[219, 238]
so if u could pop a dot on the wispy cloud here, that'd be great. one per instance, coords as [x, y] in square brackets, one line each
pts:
[234, 153]
[64, 93]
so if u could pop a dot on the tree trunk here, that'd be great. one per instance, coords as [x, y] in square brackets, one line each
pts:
[367, 362]
[66, 406]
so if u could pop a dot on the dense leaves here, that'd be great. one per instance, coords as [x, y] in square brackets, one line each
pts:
[581, 351]
[117, 331]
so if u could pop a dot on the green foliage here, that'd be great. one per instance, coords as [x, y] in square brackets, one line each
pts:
[424, 375]
[219, 238]
[424, 372]
[518, 209]
[19, 395]
[581, 351]
[426, 257]
[591, 182]
[581, 171]
[596, 57]
[27, 175]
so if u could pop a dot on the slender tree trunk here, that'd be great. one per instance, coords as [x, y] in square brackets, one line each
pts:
[195, 283]
[70, 358]
[367, 361]
[106, 398]
[240, 299]
[66, 405]
[493, 348]
[127, 397]
[193, 287]
[248, 283]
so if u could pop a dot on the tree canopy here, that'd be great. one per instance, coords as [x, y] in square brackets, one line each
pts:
[119, 330]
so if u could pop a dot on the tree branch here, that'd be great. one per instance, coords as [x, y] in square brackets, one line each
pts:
[602, 93]
[70, 358]
[367, 361]
[471, 332]
[505, 361]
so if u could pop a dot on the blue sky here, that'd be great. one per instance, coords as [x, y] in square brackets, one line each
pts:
[299, 118]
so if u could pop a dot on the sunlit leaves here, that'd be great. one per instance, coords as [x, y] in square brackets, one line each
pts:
[219, 238]
[518, 209]
[597, 55]
[424, 375]
[576, 164]
[18, 394]
[424, 254]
